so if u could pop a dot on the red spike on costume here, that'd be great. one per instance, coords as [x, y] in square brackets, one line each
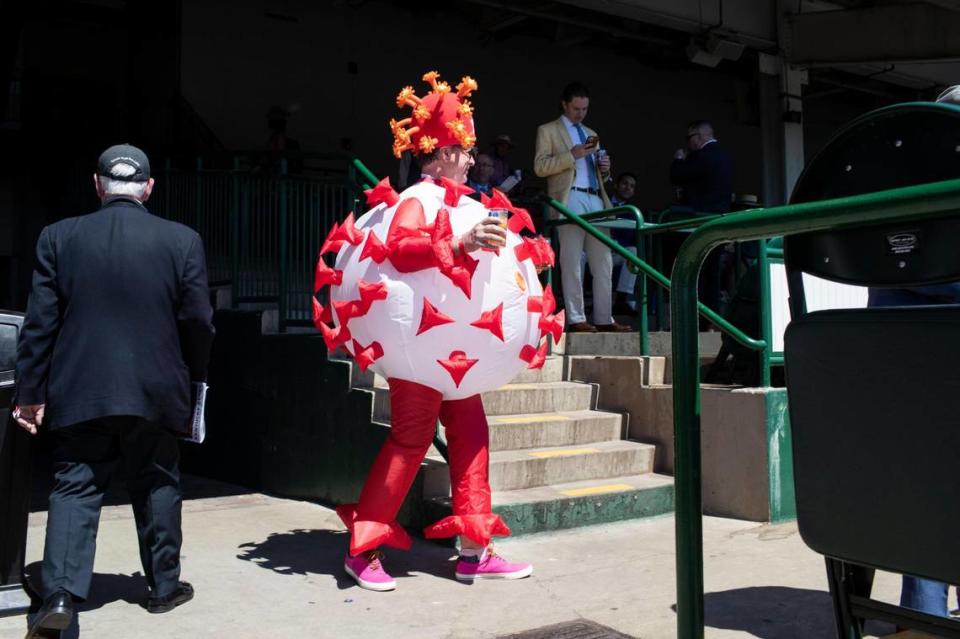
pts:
[461, 278]
[346, 311]
[544, 255]
[535, 304]
[321, 313]
[552, 325]
[521, 220]
[480, 527]
[453, 191]
[374, 249]
[549, 301]
[470, 264]
[371, 292]
[331, 243]
[325, 275]
[368, 534]
[366, 355]
[441, 226]
[431, 317]
[382, 193]
[492, 321]
[537, 249]
[440, 236]
[334, 337]
[535, 357]
[457, 365]
[347, 232]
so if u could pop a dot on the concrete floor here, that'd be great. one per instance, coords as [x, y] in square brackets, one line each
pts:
[268, 567]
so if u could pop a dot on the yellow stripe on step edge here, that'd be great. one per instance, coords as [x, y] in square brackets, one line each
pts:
[530, 419]
[564, 453]
[596, 490]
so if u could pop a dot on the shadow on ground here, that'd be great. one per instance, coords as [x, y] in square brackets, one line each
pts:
[104, 589]
[321, 552]
[776, 612]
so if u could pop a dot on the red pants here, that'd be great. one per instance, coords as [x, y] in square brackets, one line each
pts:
[414, 409]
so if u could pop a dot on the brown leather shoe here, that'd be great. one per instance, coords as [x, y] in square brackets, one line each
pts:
[581, 327]
[613, 328]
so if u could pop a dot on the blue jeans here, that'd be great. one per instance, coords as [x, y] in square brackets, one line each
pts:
[924, 595]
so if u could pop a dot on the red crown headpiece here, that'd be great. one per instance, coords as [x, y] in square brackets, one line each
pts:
[439, 119]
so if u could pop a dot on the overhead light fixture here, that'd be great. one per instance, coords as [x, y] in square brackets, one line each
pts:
[715, 49]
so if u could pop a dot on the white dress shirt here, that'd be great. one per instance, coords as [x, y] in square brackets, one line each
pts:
[581, 179]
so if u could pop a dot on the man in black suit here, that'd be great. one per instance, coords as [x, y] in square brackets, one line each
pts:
[117, 326]
[704, 174]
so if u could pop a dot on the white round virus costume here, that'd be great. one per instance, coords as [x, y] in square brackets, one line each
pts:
[440, 324]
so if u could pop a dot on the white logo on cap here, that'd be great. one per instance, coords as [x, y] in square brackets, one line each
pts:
[122, 169]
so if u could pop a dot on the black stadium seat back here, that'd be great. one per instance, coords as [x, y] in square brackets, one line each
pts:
[875, 413]
[898, 146]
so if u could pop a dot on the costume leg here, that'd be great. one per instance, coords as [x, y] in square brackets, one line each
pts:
[83, 459]
[413, 419]
[151, 457]
[468, 444]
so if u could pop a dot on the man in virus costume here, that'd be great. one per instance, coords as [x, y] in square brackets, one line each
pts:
[438, 293]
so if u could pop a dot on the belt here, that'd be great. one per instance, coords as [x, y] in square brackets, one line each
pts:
[583, 190]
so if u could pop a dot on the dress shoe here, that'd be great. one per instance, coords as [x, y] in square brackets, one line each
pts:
[614, 328]
[581, 327]
[166, 603]
[56, 613]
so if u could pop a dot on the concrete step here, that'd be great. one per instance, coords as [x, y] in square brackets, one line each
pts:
[552, 371]
[513, 399]
[567, 428]
[574, 504]
[629, 344]
[516, 469]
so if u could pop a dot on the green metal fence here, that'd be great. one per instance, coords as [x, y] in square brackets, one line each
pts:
[261, 231]
[941, 199]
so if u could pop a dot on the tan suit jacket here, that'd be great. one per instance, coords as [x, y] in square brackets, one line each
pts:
[554, 161]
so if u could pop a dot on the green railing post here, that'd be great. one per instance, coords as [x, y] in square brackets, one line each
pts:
[766, 319]
[940, 199]
[282, 266]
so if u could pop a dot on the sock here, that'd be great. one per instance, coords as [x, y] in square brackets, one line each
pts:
[473, 555]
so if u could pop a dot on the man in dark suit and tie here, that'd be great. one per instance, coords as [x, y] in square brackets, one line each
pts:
[117, 326]
[704, 173]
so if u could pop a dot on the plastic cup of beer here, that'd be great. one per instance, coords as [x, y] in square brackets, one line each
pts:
[501, 216]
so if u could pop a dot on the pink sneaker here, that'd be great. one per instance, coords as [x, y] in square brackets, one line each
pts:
[368, 572]
[492, 566]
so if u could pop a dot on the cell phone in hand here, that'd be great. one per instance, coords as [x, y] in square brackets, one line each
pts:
[592, 141]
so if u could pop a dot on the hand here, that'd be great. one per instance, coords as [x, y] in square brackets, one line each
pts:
[487, 234]
[29, 417]
[680, 154]
[580, 150]
[604, 164]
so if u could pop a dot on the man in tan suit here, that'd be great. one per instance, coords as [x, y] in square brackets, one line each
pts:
[566, 156]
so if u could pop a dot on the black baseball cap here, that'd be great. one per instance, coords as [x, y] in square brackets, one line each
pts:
[124, 162]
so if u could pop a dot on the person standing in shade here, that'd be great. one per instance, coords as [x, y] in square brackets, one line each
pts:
[703, 171]
[566, 156]
[117, 326]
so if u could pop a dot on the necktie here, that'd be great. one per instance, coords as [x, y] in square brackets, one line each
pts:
[591, 167]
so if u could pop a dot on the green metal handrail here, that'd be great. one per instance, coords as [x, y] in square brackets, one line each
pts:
[654, 274]
[940, 199]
